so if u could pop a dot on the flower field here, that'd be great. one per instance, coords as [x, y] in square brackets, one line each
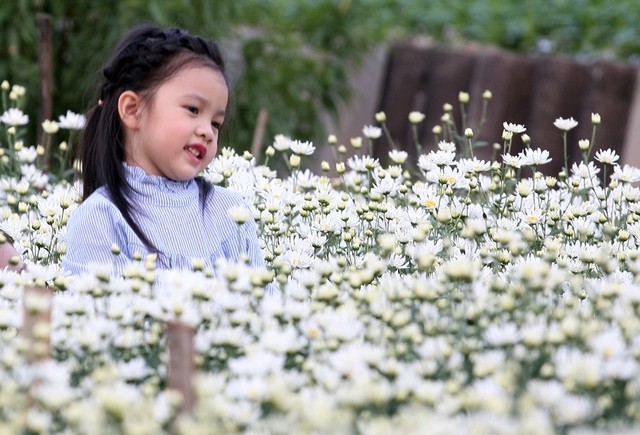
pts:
[437, 294]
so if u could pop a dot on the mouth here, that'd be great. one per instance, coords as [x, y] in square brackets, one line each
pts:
[198, 150]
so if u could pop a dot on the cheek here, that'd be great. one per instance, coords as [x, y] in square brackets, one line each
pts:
[211, 154]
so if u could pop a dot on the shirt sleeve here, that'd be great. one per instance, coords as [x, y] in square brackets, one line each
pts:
[94, 227]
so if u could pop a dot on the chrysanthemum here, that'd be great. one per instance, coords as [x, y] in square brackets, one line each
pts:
[473, 165]
[302, 148]
[371, 132]
[513, 161]
[565, 124]
[626, 173]
[444, 145]
[72, 121]
[536, 157]
[398, 156]
[282, 142]
[514, 128]
[362, 163]
[14, 117]
[608, 156]
[436, 159]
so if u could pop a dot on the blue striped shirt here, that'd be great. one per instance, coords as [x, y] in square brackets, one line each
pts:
[171, 215]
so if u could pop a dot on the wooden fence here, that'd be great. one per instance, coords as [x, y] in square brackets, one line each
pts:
[528, 90]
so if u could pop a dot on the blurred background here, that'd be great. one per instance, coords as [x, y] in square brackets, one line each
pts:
[308, 68]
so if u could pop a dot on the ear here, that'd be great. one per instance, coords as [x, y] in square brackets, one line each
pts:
[129, 109]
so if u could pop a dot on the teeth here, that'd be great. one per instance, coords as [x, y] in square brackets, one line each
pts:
[194, 151]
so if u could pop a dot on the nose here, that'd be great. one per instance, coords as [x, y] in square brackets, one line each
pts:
[205, 131]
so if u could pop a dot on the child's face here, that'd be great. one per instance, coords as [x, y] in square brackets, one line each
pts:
[176, 135]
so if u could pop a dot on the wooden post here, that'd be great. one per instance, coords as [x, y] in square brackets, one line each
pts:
[46, 79]
[181, 365]
[258, 133]
[36, 323]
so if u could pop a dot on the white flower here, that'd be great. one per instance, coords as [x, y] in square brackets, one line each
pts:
[513, 128]
[72, 121]
[626, 173]
[239, 214]
[362, 163]
[133, 370]
[444, 145]
[608, 157]
[14, 117]
[282, 143]
[513, 161]
[302, 148]
[435, 159]
[473, 165]
[502, 335]
[50, 127]
[398, 156]
[565, 124]
[371, 131]
[536, 157]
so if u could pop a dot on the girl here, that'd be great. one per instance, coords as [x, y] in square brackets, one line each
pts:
[162, 104]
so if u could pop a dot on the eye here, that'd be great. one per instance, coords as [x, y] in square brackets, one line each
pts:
[216, 125]
[192, 109]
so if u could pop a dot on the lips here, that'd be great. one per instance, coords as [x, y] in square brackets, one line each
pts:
[199, 151]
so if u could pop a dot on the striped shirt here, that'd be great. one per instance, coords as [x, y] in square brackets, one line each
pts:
[170, 214]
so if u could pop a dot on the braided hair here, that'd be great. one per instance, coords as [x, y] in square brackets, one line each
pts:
[144, 59]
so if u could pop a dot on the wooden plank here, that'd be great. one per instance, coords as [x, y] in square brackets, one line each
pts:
[36, 322]
[405, 70]
[448, 73]
[610, 93]
[509, 78]
[181, 365]
[631, 148]
[558, 91]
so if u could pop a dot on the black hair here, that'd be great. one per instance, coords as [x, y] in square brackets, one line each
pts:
[145, 57]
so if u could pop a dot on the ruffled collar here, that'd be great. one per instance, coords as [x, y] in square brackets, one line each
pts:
[158, 189]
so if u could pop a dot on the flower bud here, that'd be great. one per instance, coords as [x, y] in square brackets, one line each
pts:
[416, 117]
[294, 160]
[115, 249]
[270, 151]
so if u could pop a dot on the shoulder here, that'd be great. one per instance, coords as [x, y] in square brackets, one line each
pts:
[96, 208]
[222, 196]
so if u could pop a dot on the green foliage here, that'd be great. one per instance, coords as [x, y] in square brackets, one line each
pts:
[293, 57]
